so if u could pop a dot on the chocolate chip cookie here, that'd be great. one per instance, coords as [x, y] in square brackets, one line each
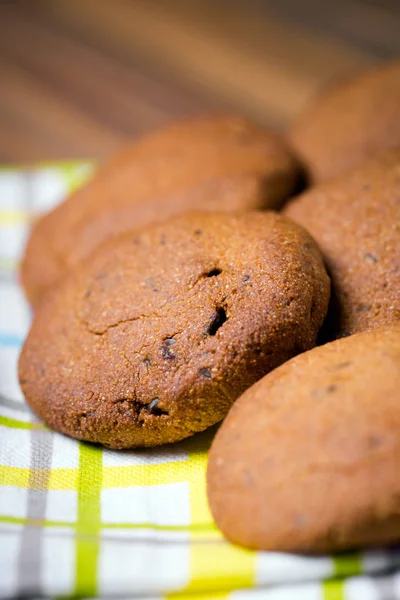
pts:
[216, 162]
[308, 459]
[159, 331]
[350, 123]
[356, 222]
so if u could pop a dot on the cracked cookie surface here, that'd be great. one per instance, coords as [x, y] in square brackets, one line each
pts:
[161, 330]
[308, 459]
[212, 162]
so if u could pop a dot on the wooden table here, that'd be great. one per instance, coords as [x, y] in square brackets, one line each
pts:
[78, 77]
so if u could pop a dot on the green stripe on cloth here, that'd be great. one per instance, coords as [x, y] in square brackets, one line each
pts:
[14, 424]
[88, 524]
[202, 595]
[347, 564]
[344, 565]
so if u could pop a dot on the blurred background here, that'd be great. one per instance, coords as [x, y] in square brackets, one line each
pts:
[78, 77]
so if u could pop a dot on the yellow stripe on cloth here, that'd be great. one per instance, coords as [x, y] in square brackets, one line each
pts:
[15, 217]
[202, 596]
[8, 264]
[63, 479]
[333, 590]
[75, 174]
[14, 476]
[150, 474]
[214, 563]
[60, 479]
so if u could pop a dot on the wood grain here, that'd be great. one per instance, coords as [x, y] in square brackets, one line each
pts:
[264, 67]
[78, 77]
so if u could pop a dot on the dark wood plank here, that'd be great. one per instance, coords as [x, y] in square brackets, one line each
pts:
[78, 77]
[75, 100]
[372, 25]
[54, 123]
[264, 66]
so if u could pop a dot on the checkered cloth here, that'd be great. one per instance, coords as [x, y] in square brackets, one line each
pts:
[78, 520]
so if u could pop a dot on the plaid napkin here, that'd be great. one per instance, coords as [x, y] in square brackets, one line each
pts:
[79, 520]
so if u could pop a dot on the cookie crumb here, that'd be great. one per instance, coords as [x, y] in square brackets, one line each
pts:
[166, 351]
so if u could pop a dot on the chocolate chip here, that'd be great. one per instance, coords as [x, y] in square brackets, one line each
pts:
[217, 321]
[150, 282]
[364, 308]
[370, 257]
[374, 441]
[320, 393]
[331, 388]
[288, 302]
[198, 232]
[205, 373]
[147, 362]
[341, 365]
[153, 404]
[153, 408]
[166, 351]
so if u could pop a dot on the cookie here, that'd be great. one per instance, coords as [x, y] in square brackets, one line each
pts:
[222, 163]
[161, 330]
[308, 459]
[356, 222]
[350, 123]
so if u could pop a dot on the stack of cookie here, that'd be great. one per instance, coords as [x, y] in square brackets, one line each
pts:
[169, 285]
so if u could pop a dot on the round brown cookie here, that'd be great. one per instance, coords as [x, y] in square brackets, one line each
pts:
[351, 122]
[222, 163]
[308, 459]
[356, 222]
[161, 330]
